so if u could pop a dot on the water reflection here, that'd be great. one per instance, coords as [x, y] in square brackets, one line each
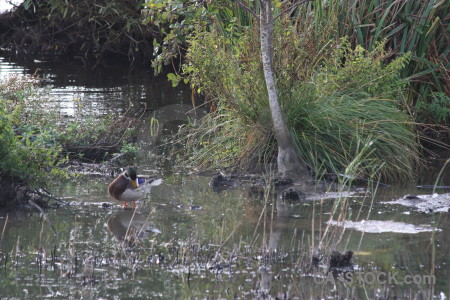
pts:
[109, 89]
[129, 225]
[161, 123]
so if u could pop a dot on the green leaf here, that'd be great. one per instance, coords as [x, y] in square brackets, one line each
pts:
[175, 79]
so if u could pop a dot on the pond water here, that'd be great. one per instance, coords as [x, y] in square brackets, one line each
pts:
[185, 241]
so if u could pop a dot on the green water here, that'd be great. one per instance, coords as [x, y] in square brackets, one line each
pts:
[241, 243]
[210, 245]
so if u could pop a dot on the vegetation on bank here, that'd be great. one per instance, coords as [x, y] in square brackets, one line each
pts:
[341, 112]
[162, 29]
[354, 101]
[36, 143]
[416, 27]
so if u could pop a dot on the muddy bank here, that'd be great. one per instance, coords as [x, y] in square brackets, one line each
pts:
[15, 193]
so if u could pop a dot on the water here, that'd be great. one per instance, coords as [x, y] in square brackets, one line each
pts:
[186, 241]
[110, 88]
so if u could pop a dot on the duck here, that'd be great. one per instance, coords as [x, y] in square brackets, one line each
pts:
[128, 187]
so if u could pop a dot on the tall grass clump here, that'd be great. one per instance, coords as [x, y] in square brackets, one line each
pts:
[340, 102]
[416, 27]
[229, 75]
[353, 108]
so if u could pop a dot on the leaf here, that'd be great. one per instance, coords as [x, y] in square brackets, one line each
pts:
[175, 79]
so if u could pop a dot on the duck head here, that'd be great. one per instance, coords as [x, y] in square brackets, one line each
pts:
[130, 174]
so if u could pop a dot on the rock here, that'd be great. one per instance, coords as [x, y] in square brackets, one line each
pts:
[292, 194]
[220, 183]
[340, 261]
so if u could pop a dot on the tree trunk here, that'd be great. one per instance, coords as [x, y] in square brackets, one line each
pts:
[289, 163]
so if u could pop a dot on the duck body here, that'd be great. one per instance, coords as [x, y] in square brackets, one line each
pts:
[127, 187]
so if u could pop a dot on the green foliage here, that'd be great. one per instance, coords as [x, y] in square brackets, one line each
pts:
[35, 144]
[332, 131]
[351, 110]
[224, 140]
[178, 20]
[88, 28]
[419, 28]
[438, 110]
[127, 154]
[229, 73]
[360, 71]
[28, 151]
[94, 132]
[342, 105]
[416, 27]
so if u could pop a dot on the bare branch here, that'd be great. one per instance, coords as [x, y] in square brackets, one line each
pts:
[253, 13]
[44, 215]
[291, 8]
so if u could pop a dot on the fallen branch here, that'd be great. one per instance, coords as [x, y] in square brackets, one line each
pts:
[47, 195]
[44, 215]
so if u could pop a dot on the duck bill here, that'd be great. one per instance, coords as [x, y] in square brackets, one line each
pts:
[134, 183]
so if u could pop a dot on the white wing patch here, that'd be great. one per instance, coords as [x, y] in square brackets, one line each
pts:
[139, 192]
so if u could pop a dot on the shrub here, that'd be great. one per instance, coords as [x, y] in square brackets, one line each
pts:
[347, 105]
[35, 143]
[28, 150]
[352, 109]
[437, 110]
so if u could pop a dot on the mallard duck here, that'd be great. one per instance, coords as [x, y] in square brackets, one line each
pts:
[128, 187]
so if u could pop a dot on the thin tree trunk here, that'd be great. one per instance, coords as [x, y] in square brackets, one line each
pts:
[289, 163]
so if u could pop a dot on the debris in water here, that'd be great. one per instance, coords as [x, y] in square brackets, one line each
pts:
[425, 203]
[340, 261]
[374, 226]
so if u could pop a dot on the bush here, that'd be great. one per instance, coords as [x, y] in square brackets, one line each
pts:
[437, 110]
[358, 71]
[347, 105]
[230, 76]
[352, 109]
[35, 144]
[28, 149]
[85, 28]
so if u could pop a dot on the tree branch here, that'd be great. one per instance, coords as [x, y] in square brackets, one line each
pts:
[247, 9]
[290, 8]
[44, 215]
